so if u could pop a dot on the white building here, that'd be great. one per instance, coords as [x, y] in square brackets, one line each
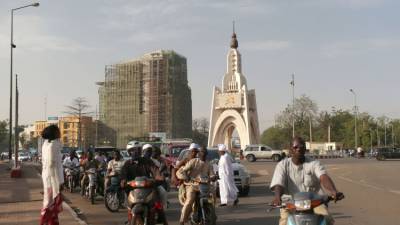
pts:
[323, 147]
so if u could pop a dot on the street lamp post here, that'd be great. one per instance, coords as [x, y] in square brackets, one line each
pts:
[12, 46]
[355, 119]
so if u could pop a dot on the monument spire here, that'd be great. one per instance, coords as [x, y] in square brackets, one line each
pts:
[234, 41]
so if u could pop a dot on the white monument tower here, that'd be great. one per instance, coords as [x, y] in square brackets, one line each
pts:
[233, 106]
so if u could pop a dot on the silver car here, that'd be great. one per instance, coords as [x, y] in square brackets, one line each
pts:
[241, 174]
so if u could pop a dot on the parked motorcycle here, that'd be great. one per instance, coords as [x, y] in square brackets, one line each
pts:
[71, 174]
[204, 205]
[91, 187]
[301, 208]
[114, 197]
[145, 207]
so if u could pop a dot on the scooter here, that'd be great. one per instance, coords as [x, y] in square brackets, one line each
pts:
[301, 208]
[204, 205]
[71, 175]
[90, 189]
[114, 197]
[144, 205]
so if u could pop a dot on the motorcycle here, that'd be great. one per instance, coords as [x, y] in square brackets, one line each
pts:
[114, 196]
[301, 208]
[91, 187]
[144, 205]
[71, 174]
[204, 205]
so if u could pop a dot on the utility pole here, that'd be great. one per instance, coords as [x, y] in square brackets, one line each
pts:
[45, 107]
[96, 136]
[377, 135]
[310, 123]
[12, 46]
[292, 83]
[385, 132]
[392, 135]
[329, 133]
[355, 119]
[370, 137]
[16, 131]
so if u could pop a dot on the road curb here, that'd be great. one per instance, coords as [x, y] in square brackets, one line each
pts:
[74, 214]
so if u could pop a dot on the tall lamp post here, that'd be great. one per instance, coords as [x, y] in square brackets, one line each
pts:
[355, 119]
[12, 46]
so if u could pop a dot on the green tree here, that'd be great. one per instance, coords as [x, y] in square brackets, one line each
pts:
[276, 137]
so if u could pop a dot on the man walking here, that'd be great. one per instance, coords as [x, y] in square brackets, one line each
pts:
[227, 188]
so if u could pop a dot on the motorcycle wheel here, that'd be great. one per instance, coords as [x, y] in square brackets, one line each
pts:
[211, 217]
[71, 184]
[136, 220]
[91, 194]
[111, 201]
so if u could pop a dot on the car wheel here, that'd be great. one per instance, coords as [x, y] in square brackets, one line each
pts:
[250, 158]
[276, 158]
[245, 191]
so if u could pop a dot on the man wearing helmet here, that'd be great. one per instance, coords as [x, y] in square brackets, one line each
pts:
[139, 166]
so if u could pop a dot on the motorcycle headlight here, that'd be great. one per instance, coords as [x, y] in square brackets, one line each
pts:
[302, 204]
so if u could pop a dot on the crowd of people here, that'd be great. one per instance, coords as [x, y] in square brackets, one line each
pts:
[295, 174]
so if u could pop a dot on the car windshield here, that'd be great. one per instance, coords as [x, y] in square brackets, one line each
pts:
[212, 155]
[124, 154]
[175, 152]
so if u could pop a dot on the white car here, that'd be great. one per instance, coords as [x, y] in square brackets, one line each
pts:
[22, 156]
[254, 152]
[241, 174]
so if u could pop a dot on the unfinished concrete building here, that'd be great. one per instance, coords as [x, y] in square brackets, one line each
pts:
[147, 95]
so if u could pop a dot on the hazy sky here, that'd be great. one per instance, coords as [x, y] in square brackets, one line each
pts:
[331, 46]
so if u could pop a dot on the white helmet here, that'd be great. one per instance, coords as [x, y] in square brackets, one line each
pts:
[194, 146]
[133, 144]
[146, 146]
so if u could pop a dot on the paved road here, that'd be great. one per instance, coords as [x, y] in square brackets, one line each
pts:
[372, 190]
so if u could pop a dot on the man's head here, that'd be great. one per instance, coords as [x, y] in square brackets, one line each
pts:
[72, 154]
[90, 155]
[298, 148]
[203, 154]
[194, 149]
[134, 149]
[116, 155]
[147, 151]
[221, 149]
[156, 153]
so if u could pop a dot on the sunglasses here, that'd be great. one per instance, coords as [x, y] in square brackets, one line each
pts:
[296, 147]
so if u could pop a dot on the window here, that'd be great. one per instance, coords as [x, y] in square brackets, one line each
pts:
[66, 125]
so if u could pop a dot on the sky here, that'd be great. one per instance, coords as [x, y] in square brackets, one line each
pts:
[330, 45]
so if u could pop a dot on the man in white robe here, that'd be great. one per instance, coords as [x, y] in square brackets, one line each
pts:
[227, 188]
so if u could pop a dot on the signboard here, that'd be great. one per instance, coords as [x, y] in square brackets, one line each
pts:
[52, 118]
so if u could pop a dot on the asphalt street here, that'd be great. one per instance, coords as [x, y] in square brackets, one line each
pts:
[372, 190]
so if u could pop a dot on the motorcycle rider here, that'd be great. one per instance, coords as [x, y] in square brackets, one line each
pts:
[139, 166]
[89, 163]
[113, 168]
[162, 172]
[71, 162]
[302, 174]
[194, 149]
[195, 169]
